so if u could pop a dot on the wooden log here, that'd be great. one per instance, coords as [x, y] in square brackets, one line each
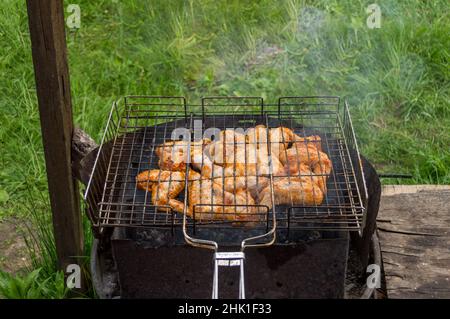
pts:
[47, 31]
[362, 244]
[82, 145]
[84, 150]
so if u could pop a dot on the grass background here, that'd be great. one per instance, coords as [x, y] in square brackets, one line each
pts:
[396, 78]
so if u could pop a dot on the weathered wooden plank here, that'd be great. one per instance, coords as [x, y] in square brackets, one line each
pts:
[414, 231]
[389, 190]
[46, 22]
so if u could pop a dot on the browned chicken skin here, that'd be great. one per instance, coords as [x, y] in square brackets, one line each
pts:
[230, 149]
[314, 140]
[165, 186]
[279, 138]
[302, 153]
[209, 201]
[292, 191]
[173, 155]
[247, 169]
[257, 136]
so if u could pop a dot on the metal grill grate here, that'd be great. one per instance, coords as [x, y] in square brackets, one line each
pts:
[139, 124]
[344, 204]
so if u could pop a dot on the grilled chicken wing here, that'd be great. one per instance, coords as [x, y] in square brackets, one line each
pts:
[268, 164]
[307, 154]
[155, 176]
[245, 159]
[246, 173]
[228, 149]
[279, 137]
[257, 136]
[292, 191]
[209, 201]
[165, 186]
[238, 166]
[314, 140]
[201, 162]
[230, 136]
[173, 155]
[232, 178]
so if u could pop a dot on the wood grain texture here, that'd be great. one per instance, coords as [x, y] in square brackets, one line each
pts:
[84, 150]
[414, 231]
[46, 22]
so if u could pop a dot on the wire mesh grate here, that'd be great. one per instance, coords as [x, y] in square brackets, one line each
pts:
[139, 125]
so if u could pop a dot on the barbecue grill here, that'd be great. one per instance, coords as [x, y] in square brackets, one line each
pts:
[292, 251]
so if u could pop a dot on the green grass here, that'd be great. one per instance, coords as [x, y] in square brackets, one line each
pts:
[42, 279]
[396, 78]
[32, 286]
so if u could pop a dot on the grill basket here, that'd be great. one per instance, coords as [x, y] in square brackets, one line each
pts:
[137, 125]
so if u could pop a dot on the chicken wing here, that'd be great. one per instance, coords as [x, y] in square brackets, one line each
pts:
[314, 140]
[279, 139]
[164, 186]
[202, 163]
[228, 149]
[307, 154]
[249, 170]
[173, 155]
[257, 136]
[292, 191]
[208, 201]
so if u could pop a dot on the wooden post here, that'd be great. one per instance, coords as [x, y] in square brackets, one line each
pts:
[46, 22]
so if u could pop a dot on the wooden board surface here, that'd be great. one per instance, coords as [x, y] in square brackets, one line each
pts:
[414, 230]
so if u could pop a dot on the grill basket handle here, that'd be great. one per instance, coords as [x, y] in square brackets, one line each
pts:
[228, 259]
